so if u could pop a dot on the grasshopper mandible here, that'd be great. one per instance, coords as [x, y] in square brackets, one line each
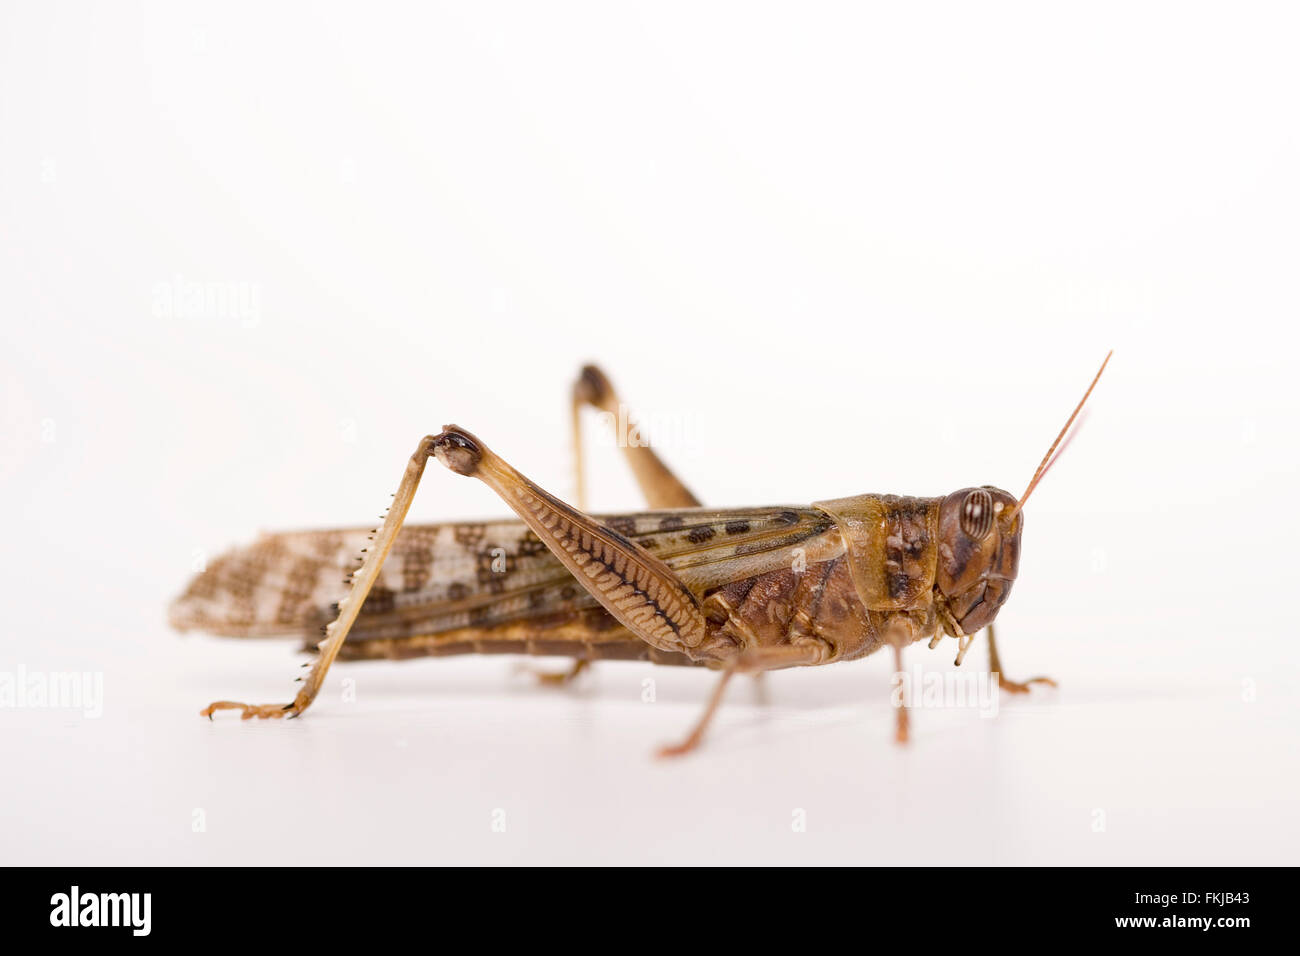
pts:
[680, 584]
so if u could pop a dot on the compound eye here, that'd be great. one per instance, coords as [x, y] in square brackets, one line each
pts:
[977, 514]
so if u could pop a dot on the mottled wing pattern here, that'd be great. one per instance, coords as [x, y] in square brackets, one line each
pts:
[288, 582]
[272, 587]
[445, 577]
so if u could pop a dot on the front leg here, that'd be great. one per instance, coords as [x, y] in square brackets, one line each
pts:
[1010, 686]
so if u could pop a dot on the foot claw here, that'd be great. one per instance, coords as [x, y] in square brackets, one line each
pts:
[901, 730]
[550, 679]
[1022, 687]
[555, 678]
[249, 711]
[676, 750]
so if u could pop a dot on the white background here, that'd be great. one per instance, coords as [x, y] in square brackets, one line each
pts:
[823, 249]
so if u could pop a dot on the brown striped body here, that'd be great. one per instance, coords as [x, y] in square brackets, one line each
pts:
[763, 577]
[742, 590]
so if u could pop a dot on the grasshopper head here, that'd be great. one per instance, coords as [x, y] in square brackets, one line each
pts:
[979, 540]
[979, 553]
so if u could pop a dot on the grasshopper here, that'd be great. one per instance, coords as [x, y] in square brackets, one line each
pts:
[742, 590]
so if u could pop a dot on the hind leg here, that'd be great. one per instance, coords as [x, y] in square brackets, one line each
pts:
[362, 580]
[637, 588]
[661, 488]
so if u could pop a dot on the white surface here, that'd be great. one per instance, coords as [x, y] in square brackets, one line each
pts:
[821, 253]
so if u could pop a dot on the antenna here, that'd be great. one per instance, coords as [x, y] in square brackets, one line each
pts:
[1048, 459]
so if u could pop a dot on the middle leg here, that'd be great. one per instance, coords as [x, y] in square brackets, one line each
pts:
[558, 678]
[902, 725]
[754, 661]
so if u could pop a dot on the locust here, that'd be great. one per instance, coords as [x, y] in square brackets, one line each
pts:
[739, 591]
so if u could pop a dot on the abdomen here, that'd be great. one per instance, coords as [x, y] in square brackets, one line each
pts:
[787, 606]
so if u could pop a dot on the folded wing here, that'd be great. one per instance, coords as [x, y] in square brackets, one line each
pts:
[444, 577]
